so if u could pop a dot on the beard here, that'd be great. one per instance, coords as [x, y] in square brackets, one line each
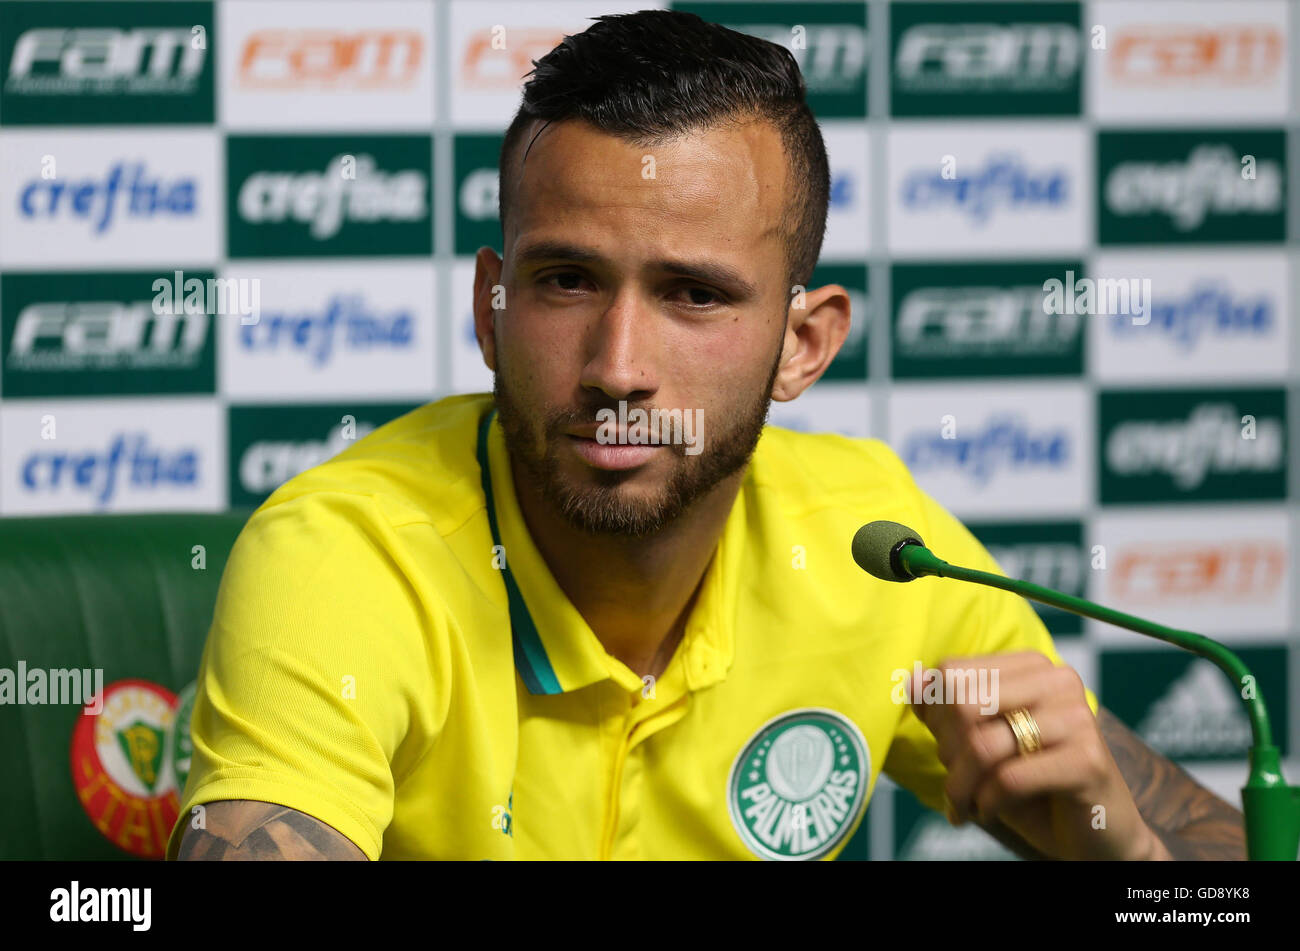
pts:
[605, 508]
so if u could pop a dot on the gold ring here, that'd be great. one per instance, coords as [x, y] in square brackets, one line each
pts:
[1023, 725]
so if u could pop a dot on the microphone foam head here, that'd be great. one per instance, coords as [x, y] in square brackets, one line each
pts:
[873, 544]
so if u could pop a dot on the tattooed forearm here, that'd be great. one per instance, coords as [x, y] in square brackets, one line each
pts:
[243, 830]
[1189, 820]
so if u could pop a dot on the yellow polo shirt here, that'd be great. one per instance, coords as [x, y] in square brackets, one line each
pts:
[391, 655]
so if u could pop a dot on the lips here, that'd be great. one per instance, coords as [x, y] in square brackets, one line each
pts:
[611, 457]
[620, 435]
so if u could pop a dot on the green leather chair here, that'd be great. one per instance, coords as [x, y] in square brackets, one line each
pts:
[133, 595]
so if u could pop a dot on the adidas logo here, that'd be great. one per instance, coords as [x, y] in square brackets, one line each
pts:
[1199, 716]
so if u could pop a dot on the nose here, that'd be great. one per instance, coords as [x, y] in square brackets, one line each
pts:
[622, 351]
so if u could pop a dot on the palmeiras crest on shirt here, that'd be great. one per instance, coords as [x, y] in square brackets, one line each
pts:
[796, 788]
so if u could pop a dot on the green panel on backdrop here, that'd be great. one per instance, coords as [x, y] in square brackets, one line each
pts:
[106, 63]
[336, 195]
[1186, 708]
[271, 444]
[985, 59]
[1191, 445]
[829, 41]
[982, 319]
[79, 334]
[475, 162]
[1050, 554]
[1180, 186]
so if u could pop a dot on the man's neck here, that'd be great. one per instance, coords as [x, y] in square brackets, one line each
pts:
[635, 593]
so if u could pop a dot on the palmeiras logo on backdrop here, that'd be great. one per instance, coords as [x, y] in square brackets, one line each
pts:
[105, 63]
[797, 787]
[123, 766]
[309, 195]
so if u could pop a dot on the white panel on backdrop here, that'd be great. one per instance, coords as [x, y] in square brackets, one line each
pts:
[1223, 571]
[1198, 61]
[112, 455]
[491, 46]
[86, 198]
[996, 448]
[351, 330]
[469, 374]
[299, 64]
[843, 408]
[965, 189]
[1213, 316]
[848, 228]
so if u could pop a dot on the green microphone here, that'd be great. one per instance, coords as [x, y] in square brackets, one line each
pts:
[893, 552]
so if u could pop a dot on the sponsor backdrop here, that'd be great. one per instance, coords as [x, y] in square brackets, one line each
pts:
[1066, 228]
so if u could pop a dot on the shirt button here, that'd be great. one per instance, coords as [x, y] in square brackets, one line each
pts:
[704, 661]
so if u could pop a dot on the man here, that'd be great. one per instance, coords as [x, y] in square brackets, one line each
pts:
[525, 626]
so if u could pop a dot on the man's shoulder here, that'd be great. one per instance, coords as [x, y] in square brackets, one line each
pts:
[829, 468]
[825, 479]
[418, 468]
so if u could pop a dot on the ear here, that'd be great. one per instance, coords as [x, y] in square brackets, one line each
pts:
[817, 325]
[487, 276]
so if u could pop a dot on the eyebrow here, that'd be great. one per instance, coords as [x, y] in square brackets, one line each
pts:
[709, 272]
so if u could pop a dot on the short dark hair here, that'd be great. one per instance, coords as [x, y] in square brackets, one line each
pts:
[649, 76]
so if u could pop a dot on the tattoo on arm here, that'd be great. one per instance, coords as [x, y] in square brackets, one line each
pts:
[1192, 822]
[244, 830]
